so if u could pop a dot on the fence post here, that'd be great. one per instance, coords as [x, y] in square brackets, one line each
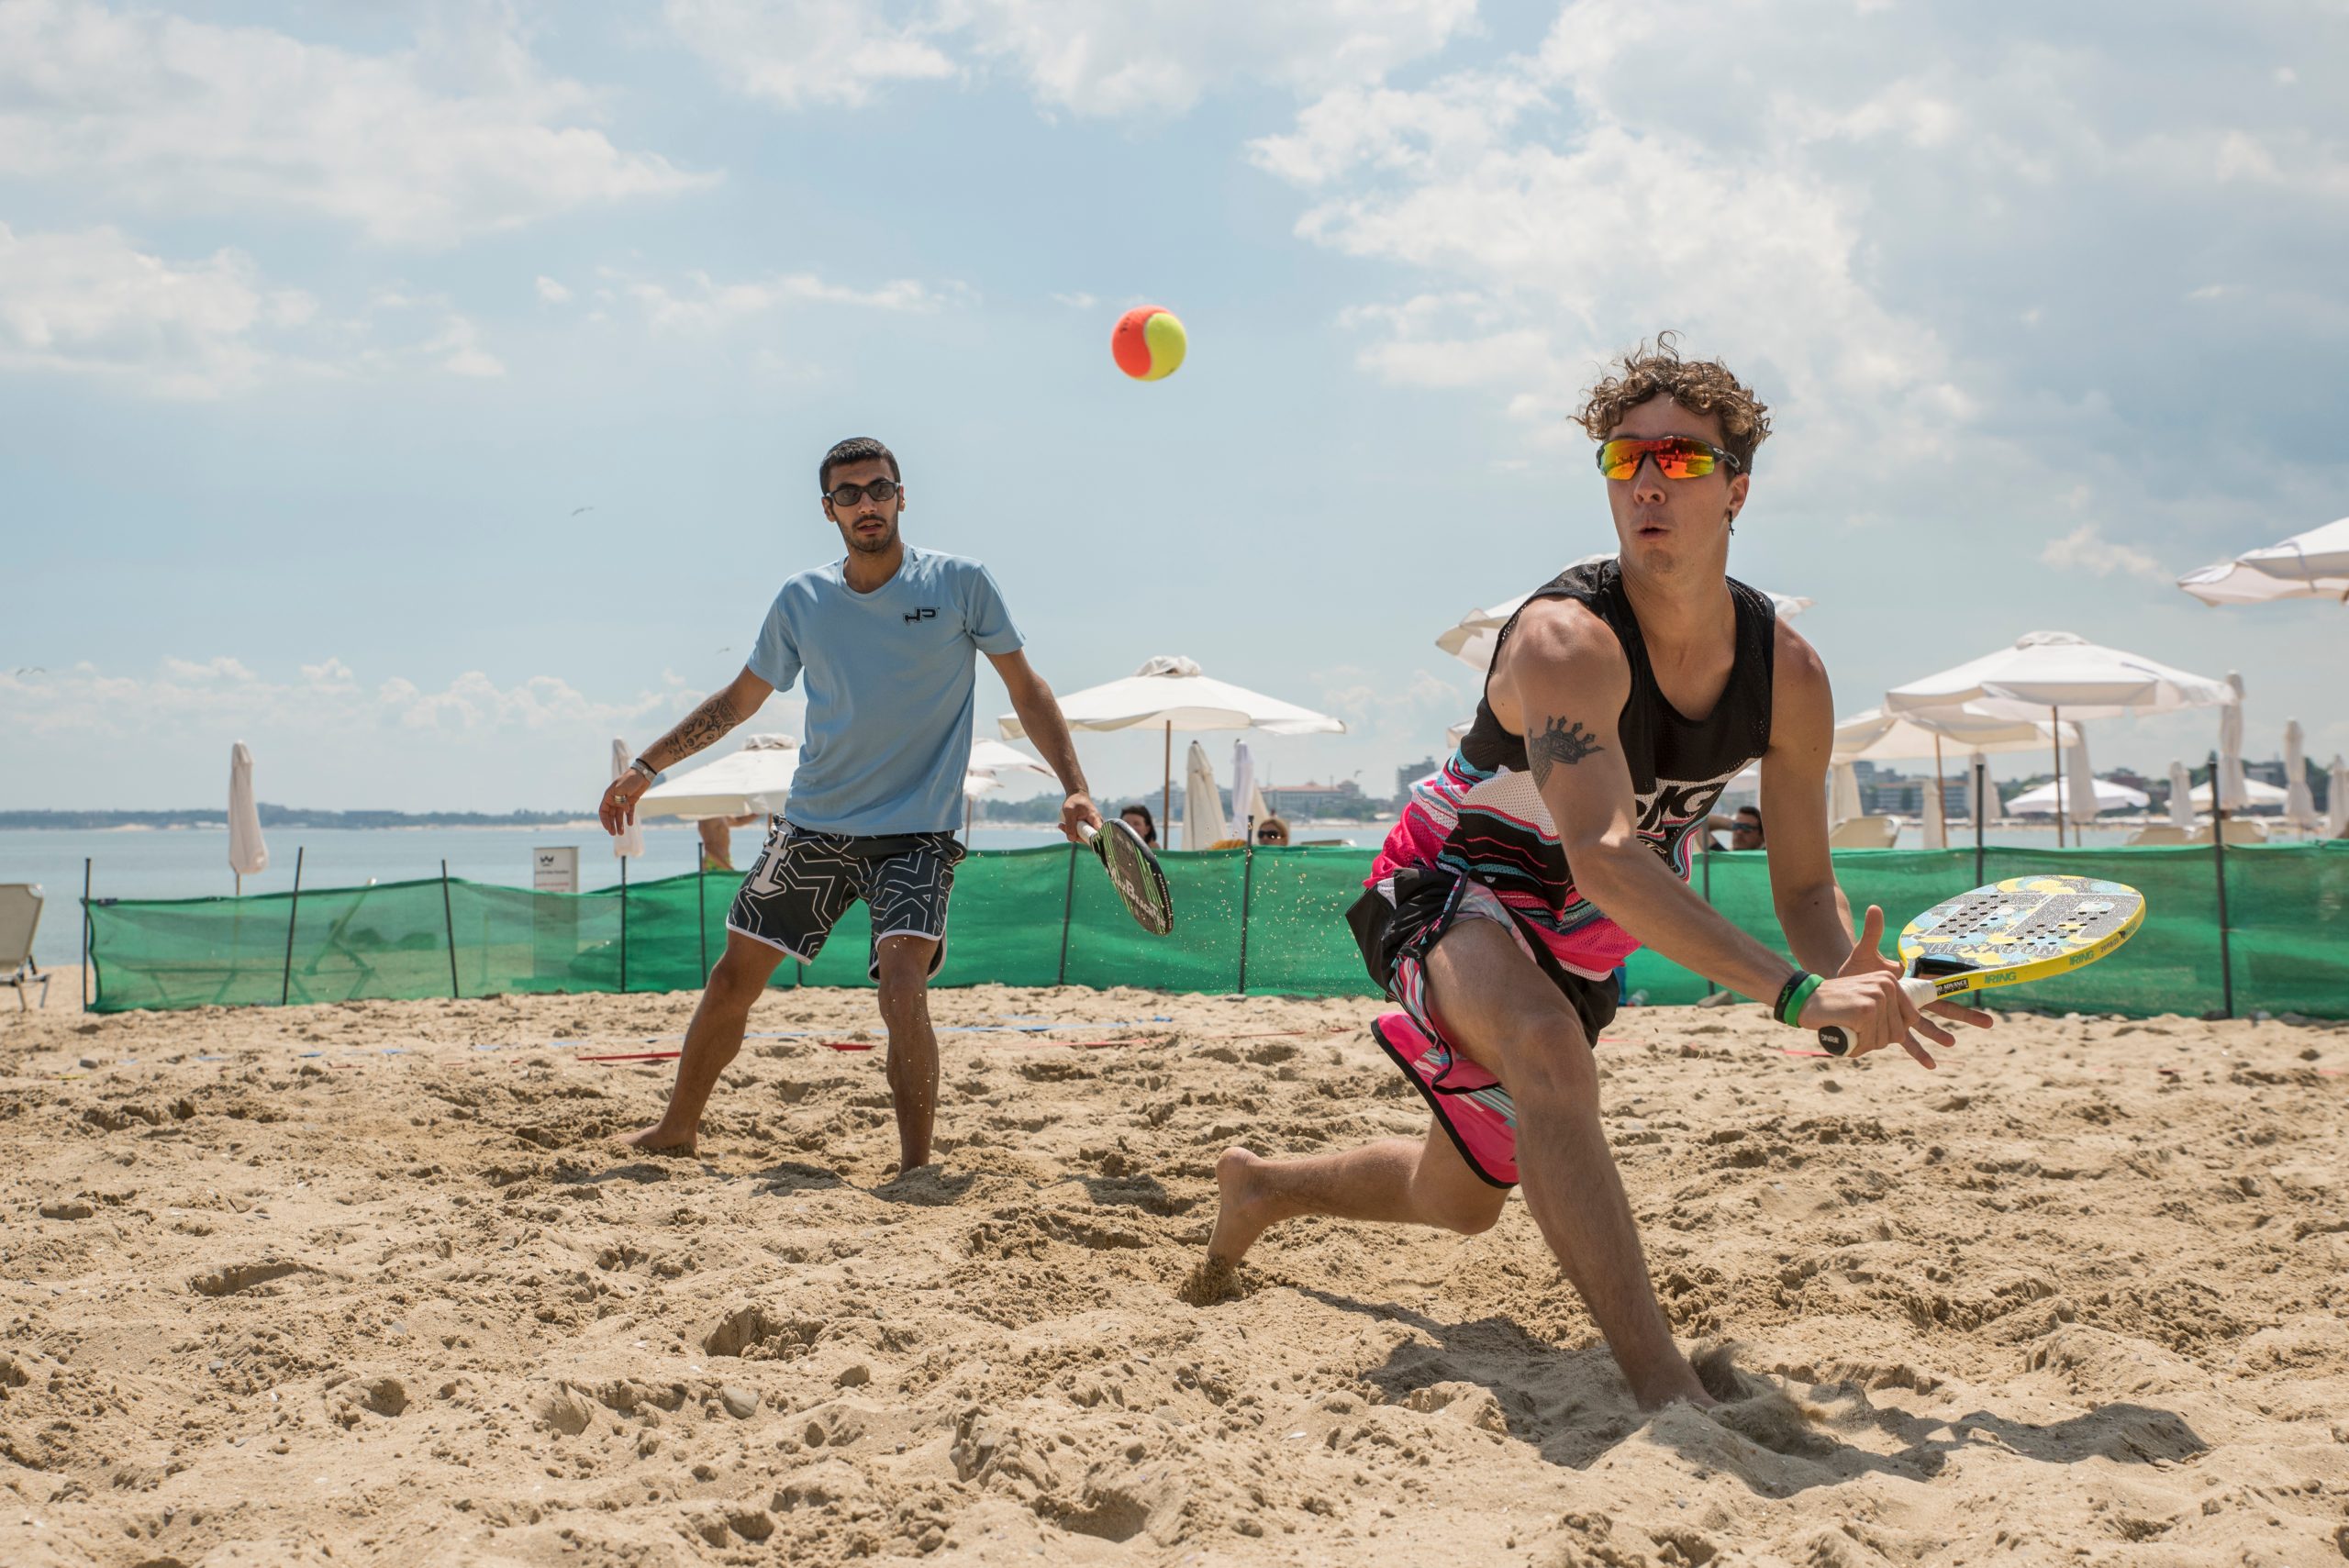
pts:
[701, 908]
[292, 911]
[449, 920]
[1247, 888]
[623, 925]
[85, 934]
[1704, 854]
[1068, 904]
[2218, 860]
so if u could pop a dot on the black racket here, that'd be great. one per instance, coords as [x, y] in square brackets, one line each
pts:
[1134, 873]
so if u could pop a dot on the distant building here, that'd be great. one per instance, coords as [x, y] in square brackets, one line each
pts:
[2271, 772]
[1410, 773]
[1298, 802]
[1883, 792]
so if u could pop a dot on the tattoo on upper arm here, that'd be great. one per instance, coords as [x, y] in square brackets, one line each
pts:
[1558, 743]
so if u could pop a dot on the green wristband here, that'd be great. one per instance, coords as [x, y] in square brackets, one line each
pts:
[1792, 1012]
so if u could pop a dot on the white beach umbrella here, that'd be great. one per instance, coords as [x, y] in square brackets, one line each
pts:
[1170, 692]
[2181, 797]
[248, 852]
[2299, 806]
[2313, 565]
[2057, 673]
[2258, 795]
[1842, 794]
[994, 758]
[1247, 800]
[2109, 796]
[1935, 824]
[755, 780]
[1202, 802]
[1476, 635]
[2080, 802]
[1981, 794]
[2232, 793]
[2336, 800]
[630, 843]
[1873, 735]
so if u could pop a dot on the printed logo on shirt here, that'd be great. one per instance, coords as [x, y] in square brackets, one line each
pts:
[928, 612]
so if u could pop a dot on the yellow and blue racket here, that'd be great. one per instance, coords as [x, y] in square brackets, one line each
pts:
[2010, 933]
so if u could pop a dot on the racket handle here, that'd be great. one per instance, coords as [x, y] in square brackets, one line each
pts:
[1836, 1040]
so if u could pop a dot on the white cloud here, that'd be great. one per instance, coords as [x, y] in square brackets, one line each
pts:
[191, 695]
[702, 304]
[460, 136]
[1076, 301]
[553, 292]
[803, 53]
[2085, 549]
[1142, 57]
[93, 305]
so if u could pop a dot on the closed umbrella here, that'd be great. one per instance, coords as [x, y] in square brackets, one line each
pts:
[2313, 565]
[630, 843]
[248, 853]
[1981, 794]
[2299, 807]
[1474, 638]
[1248, 807]
[1171, 692]
[2181, 797]
[2080, 803]
[755, 780]
[2232, 793]
[2109, 796]
[1842, 794]
[2336, 800]
[1936, 831]
[2055, 673]
[1202, 808]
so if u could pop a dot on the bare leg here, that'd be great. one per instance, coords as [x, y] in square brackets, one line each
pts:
[712, 1040]
[1509, 1019]
[1423, 1182]
[913, 1045]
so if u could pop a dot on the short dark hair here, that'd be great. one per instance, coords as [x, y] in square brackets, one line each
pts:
[1753, 811]
[856, 448]
[1148, 823]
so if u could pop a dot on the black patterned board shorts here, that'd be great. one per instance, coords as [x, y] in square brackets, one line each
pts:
[803, 881]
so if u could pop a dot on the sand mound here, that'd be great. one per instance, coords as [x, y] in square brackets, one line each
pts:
[374, 1279]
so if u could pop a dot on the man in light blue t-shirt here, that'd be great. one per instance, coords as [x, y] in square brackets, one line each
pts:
[888, 639]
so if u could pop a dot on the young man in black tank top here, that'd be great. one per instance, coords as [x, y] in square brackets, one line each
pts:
[1561, 850]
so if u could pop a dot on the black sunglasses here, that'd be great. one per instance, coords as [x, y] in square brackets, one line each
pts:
[849, 494]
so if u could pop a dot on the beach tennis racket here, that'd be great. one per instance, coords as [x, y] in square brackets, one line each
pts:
[1134, 872]
[2010, 933]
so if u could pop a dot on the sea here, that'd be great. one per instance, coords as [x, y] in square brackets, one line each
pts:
[192, 862]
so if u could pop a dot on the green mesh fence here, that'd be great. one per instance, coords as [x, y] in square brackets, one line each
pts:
[1268, 922]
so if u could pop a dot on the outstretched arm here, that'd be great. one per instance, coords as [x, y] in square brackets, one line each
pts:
[716, 714]
[1565, 676]
[1040, 716]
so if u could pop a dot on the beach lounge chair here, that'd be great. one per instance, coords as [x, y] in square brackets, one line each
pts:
[2240, 831]
[19, 918]
[2155, 833]
[1864, 833]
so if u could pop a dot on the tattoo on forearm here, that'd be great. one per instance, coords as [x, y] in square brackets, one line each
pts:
[701, 727]
[1558, 743]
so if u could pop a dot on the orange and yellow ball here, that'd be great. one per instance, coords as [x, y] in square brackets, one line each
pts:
[1147, 343]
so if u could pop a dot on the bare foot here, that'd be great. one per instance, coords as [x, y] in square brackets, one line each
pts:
[1244, 1214]
[659, 1140]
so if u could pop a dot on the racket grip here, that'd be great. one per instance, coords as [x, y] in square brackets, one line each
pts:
[1836, 1040]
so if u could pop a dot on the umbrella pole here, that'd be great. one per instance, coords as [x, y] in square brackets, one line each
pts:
[2056, 737]
[2218, 862]
[1981, 810]
[1166, 789]
[1941, 795]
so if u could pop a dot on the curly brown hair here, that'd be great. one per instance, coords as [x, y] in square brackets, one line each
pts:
[1701, 386]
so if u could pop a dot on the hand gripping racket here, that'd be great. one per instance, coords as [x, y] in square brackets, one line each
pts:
[2024, 928]
[1134, 872]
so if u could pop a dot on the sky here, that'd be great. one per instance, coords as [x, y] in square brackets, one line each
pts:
[427, 393]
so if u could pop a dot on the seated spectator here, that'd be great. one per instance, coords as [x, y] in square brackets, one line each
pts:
[1139, 818]
[1272, 830]
[1744, 829]
[717, 840]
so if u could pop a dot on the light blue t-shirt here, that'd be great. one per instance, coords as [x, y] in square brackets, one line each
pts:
[890, 678]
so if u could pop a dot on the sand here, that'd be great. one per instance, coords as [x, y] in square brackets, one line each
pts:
[345, 1284]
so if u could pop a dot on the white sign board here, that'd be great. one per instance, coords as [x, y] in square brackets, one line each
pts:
[555, 869]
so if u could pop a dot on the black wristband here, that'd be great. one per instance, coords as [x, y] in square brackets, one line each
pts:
[1779, 1007]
